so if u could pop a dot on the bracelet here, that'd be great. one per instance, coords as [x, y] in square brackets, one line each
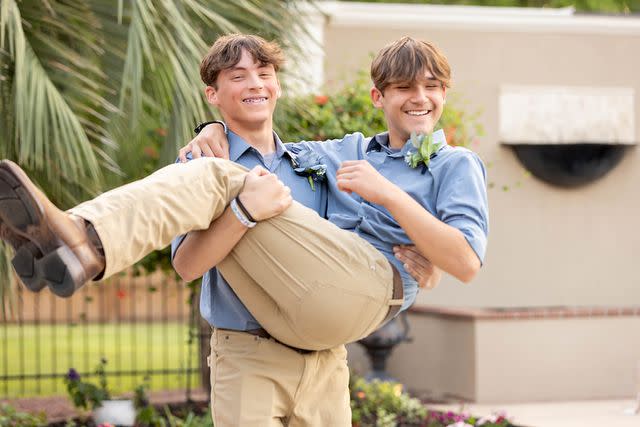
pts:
[244, 210]
[201, 126]
[240, 215]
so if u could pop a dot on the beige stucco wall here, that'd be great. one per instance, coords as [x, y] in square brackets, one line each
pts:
[516, 360]
[547, 246]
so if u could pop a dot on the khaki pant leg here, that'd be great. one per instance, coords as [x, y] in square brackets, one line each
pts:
[253, 380]
[146, 215]
[328, 286]
[323, 399]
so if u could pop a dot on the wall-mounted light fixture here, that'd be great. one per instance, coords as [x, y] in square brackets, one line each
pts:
[567, 136]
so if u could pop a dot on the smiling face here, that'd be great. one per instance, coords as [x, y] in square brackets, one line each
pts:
[246, 93]
[412, 106]
[410, 80]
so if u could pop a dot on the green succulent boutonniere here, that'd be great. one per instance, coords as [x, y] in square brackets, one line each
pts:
[425, 148]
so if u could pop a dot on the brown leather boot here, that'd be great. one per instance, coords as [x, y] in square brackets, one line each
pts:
[51, 247]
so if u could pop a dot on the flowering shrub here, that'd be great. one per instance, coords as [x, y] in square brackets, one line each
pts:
[382, 404]
[86, 395]
[385, 404]
[320, 117]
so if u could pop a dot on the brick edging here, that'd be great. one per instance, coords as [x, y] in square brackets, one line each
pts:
[500, 313]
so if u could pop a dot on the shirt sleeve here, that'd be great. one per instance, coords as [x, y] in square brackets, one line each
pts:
[462, 199]
[175, 243]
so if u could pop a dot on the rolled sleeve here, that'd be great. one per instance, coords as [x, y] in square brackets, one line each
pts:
[175, 244]
[462, 200]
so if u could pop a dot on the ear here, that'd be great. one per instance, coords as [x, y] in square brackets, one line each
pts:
[211, 94]
[376, 97]
[444, 94]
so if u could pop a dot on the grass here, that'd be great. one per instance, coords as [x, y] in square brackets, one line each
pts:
[54, 348]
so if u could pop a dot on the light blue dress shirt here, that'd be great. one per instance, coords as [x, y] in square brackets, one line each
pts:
[453, 189]
[219, 305]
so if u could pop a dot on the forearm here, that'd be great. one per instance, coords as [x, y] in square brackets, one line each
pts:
[204, 249]
[443, 245]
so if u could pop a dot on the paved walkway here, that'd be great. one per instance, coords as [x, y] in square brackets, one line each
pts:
[597, 413]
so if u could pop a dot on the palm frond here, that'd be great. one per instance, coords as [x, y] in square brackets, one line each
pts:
[50, 81]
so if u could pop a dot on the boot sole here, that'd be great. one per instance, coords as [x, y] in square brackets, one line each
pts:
[42, 260]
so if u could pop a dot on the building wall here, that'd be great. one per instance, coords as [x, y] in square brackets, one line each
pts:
[547, 246]
[522, 357]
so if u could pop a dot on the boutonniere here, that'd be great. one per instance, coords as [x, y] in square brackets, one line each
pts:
[307, 163]
[424, 147]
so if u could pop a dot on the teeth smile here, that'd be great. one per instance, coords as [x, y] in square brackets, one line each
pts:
[418, 112]
[254, 100]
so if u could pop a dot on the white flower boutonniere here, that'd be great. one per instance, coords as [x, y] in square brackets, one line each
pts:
[425, 148]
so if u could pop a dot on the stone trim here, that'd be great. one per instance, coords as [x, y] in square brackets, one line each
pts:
[525, 313]
[475, 18]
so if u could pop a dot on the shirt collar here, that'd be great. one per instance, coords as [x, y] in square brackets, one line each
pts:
[380, 142]
[238, 146]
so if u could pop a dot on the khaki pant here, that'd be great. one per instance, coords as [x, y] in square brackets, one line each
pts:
[309, 283]
[258, 382]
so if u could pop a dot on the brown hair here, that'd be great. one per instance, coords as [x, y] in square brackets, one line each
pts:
[227, 51]
[406, 59]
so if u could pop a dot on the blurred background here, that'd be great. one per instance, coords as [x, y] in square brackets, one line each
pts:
[94, 94]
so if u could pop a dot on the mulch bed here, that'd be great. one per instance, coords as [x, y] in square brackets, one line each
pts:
[58, 409]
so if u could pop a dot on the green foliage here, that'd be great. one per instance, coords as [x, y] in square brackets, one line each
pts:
[86, 395]
[149, 417]
[146, 414]
[10, 417]
[383, 404]
[320, 117]
[191, 420]
[88, 89]
[603, 6]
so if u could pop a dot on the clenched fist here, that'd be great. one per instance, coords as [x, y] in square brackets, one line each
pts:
[264, 195]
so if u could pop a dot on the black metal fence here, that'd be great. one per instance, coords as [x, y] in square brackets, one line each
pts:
[145, 327]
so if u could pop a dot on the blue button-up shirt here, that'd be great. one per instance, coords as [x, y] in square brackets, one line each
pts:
[453, 189]
[219, 305]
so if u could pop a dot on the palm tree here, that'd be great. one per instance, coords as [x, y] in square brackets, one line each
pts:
[82, 83]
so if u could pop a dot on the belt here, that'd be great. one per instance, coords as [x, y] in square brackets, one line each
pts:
[262, 333]
[398, 295]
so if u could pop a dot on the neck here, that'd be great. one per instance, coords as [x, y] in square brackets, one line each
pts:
[396, 141]
[259, 137]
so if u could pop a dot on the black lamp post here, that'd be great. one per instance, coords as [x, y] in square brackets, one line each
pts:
[380, 344]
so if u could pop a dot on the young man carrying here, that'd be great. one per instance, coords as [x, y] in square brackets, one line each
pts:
[65, 250]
